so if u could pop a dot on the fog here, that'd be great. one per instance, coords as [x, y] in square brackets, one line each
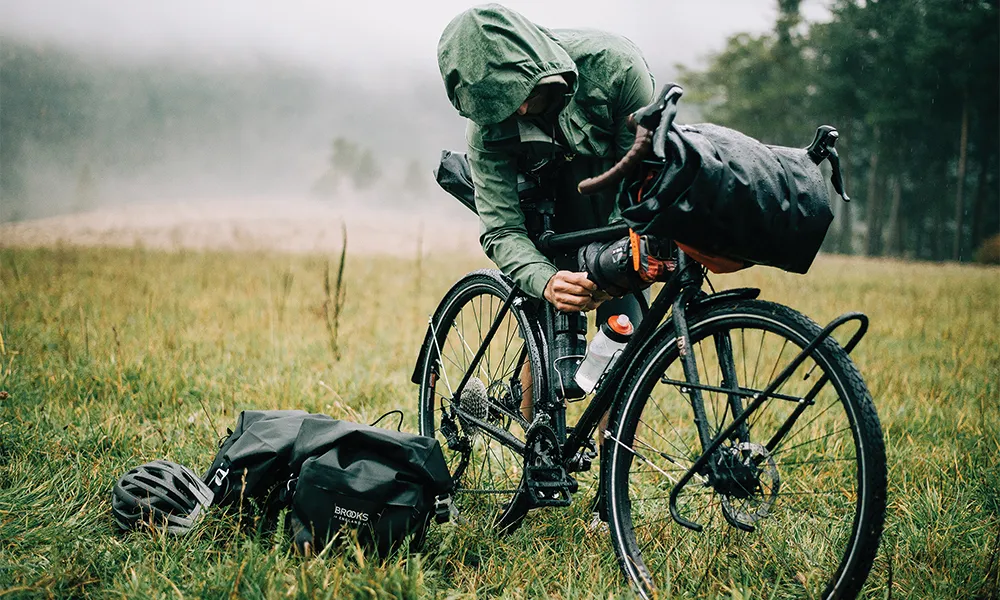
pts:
[109, 103]
[366, 35]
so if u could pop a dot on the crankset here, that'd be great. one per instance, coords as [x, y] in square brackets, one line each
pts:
[546, 480]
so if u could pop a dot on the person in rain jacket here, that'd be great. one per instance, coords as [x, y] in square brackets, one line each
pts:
[532, 94]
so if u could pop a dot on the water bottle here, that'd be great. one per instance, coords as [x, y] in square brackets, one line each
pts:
[609, 341]
[570, 344]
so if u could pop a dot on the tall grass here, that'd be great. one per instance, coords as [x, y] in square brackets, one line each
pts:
[115, 357]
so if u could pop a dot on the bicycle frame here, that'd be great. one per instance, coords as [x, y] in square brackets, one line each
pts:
[610, 382]
[676, 298]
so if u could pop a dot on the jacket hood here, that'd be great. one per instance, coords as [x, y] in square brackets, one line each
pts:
[491, 58]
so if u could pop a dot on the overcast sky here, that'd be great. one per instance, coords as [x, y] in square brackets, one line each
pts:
[365, 34]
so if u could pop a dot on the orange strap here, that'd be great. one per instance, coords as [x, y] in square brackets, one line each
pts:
[715, 264]
[632, 235]
[633, 239]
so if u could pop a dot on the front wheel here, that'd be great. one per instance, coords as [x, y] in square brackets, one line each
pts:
[795, 518]
[481, 428]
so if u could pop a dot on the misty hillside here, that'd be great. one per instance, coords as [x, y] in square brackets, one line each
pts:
[84, 129]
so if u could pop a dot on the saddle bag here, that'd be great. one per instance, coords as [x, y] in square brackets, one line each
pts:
[455, 177]
[726, 195]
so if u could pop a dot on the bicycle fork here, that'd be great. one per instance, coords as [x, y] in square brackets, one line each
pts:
[690, 367]
[692, 386]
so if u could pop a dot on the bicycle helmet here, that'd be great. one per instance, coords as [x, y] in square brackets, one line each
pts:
[158, 494]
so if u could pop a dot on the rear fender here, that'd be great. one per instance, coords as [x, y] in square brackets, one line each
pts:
[418, 368]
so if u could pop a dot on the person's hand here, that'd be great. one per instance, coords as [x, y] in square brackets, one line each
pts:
[569, 291]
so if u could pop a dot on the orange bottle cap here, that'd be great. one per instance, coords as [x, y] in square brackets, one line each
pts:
[620, 324]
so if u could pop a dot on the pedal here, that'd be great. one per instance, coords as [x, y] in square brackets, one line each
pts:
[550, 486]
[546, 480]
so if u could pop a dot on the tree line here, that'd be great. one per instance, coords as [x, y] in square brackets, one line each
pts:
[913, 87]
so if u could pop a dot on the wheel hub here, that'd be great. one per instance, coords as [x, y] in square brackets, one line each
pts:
[753, 480]
[503, 394]
[736, 478]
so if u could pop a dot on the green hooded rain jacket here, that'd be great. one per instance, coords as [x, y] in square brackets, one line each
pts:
[491, 58]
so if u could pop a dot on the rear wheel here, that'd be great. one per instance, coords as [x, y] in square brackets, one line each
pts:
[800, 518]
[481, 429]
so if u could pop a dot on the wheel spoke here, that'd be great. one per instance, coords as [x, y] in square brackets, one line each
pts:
[673, 428]
[814, 419]
[689, 455]
[782, 449]
[491, 480]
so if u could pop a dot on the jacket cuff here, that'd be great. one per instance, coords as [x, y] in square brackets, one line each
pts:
[536, 278]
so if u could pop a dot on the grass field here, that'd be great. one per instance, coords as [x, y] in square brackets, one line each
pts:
[112, 357]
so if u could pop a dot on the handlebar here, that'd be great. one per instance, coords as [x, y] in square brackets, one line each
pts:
[555, 242]
[641, 148]
[650, 139]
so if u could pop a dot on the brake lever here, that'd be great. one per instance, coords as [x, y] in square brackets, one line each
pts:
[649, 116]
[823, 147]
[836, 177]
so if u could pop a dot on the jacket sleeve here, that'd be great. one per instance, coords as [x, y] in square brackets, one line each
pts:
[634, 90]
[502, 232]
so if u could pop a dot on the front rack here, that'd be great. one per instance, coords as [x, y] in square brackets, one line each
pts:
[760, 398]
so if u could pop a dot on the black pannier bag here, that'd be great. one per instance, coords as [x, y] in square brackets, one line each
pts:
[727, 194]
[333, 473]
[254, 459]
[381, 482]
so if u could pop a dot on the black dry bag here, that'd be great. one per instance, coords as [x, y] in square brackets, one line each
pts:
[455, 177]
[254, 459]
[724, 193]
[385, 483]
[381, 482]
